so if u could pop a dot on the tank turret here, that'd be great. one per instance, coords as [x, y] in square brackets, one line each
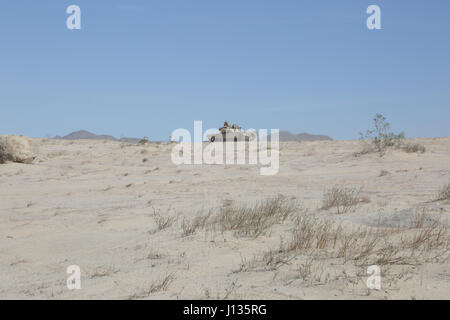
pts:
[230, 133]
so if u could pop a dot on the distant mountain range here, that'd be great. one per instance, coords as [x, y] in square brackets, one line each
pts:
[83, 134]
[284, 136]
[288, 136]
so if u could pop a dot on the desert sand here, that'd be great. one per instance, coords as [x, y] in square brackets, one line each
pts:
[97, 204]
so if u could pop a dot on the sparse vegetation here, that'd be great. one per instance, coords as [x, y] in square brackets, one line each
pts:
[143, 141]
[444, 193]
[154, 255]
[284, 248]
[230, 289]
[305, 269]
[414, 148]
[245, 220]
[163, 222]
[343, 199]
[380, 137]
[418, 220]
[267, 261]
[190, 226]
[252, 221]
[161, 284]
[363, 246]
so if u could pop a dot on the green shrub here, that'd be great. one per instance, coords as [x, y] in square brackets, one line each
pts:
[380, 137]
[144, 140]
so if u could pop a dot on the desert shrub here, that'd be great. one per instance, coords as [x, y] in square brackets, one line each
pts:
[342, 198]
[414, 148]
[444, 193]
[17, 149]
[380, 137]
[244, 220]
[144, 140]
[190, 226]
[313, 236]
[163, 221]
[253, 220]
[305, 270]
[159, 285]
[311, 233]
[268, 261]
[418, 220]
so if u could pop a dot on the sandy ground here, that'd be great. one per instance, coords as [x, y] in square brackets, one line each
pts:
[93, 204]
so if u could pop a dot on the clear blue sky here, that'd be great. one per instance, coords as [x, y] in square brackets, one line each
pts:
[144, 68]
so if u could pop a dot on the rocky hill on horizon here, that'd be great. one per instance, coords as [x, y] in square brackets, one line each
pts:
[289, 136]
[84, 134]
[284, 136]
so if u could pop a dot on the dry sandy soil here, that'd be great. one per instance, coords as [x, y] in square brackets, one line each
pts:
[103, 205]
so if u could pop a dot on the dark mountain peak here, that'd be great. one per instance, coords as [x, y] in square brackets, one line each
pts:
[84, 134]
[304, 136]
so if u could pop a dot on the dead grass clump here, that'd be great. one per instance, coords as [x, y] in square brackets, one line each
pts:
[418, 220]
[250, 221]
[432, 236]
[190, 226]
[305, 270]
[444, 193]
[366, 247]
[154, 255]
[347, 246]
[230, 289]
[269, 260]
[423, 241]
[414, 148]
[163, 222]
[254, 220]
[272, 260]
[342, 198]
[311, 233]
[390, 254]
[159, 285]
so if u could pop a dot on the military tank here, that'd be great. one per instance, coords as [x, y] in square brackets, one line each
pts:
[231, 133]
